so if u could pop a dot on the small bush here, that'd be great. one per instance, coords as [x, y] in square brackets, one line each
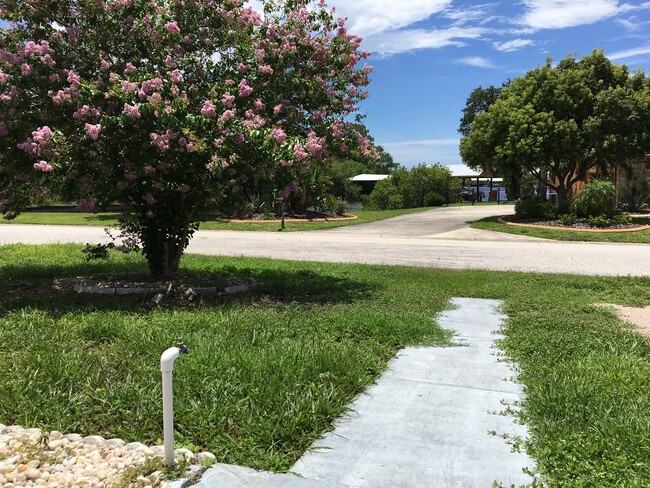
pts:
[567, 219]
[599, 221]
[529, 208]
[433, 199]
[551, 212]
[595, 199]
[621, 219]
[385, 196]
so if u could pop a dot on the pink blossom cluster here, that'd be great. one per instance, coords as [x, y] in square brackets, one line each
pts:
[208, 109]
[93, 130]
[43, 166]
[132, 111]
[161, 141]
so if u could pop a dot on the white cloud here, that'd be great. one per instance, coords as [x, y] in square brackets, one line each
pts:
[513, 45]
[475, 14]
[629, 53]
[476, 61]
[368, 17]
[394, 42]
[558, 14]
[411, 153]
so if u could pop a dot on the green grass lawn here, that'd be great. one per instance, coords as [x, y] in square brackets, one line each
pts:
[268, 373]
[110, 219]
[492, 223]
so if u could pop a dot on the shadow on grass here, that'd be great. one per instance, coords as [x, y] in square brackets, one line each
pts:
[31, 285]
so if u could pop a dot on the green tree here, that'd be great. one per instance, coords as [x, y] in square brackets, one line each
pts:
[422, 186]
[478, 102]
[558, 122]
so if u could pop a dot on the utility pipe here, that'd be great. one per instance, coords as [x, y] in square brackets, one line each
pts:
[167, 366]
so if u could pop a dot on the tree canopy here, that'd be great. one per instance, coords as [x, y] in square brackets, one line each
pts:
[559, 121]
[172, 107]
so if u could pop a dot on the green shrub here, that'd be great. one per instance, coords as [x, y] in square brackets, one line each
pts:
[621, 219]
[529, 208]
[385, 196]
[567, 219]
[433, 199]
[599, 221]
[551, 212]
[595, 199]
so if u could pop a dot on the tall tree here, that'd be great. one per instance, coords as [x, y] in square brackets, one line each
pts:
[167, 106]
[558, 122]
[478, 102]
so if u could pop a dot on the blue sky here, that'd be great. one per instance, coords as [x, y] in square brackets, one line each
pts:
[430, 54]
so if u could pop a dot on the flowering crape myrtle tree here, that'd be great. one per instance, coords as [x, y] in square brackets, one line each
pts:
[167, 105]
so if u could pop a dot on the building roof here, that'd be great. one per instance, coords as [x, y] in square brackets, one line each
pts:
[366, 177]
[462, 171]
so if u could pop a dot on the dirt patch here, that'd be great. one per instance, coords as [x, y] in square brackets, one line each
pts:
[637, 316]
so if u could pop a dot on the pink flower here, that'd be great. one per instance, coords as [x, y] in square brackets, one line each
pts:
[259, 105]
[149, 198]
[208, 109]
[25, 69]
[129, 86]
[104, 65]
[314, 145]
[81, 113]
[184, 188]
[132, 110]
[244, 89]
[43, 135]
[228, 99]
[227, 115]
[170, 62]
[242, 68]
[172, 27]
[129, 68]
[93, 131]
[43, 166]
[150, 214]
[73, 78]
[279, 135]
[176, 76]
[266, 69]
[300, 152]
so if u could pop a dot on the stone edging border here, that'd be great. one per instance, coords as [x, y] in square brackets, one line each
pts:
[277, 221]
[535, 226]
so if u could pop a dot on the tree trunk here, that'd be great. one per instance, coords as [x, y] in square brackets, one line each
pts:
[562, 198]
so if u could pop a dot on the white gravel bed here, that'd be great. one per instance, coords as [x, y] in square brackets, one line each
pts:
[30, 457]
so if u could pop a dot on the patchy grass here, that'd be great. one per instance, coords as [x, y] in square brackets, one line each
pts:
[267, 374]
[209, 223]
[643, 237]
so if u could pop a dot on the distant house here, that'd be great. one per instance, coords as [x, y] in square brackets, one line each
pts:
[480, 185]
[367, 182]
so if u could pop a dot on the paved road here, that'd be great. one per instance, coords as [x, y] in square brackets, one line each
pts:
[455, 249]
[430, 224]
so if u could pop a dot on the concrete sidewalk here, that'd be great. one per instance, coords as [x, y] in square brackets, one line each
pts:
[426, 423]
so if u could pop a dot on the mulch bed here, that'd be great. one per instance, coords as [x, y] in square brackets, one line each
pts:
[579, 224]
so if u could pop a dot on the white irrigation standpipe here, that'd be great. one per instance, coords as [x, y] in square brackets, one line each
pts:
[167, 366]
